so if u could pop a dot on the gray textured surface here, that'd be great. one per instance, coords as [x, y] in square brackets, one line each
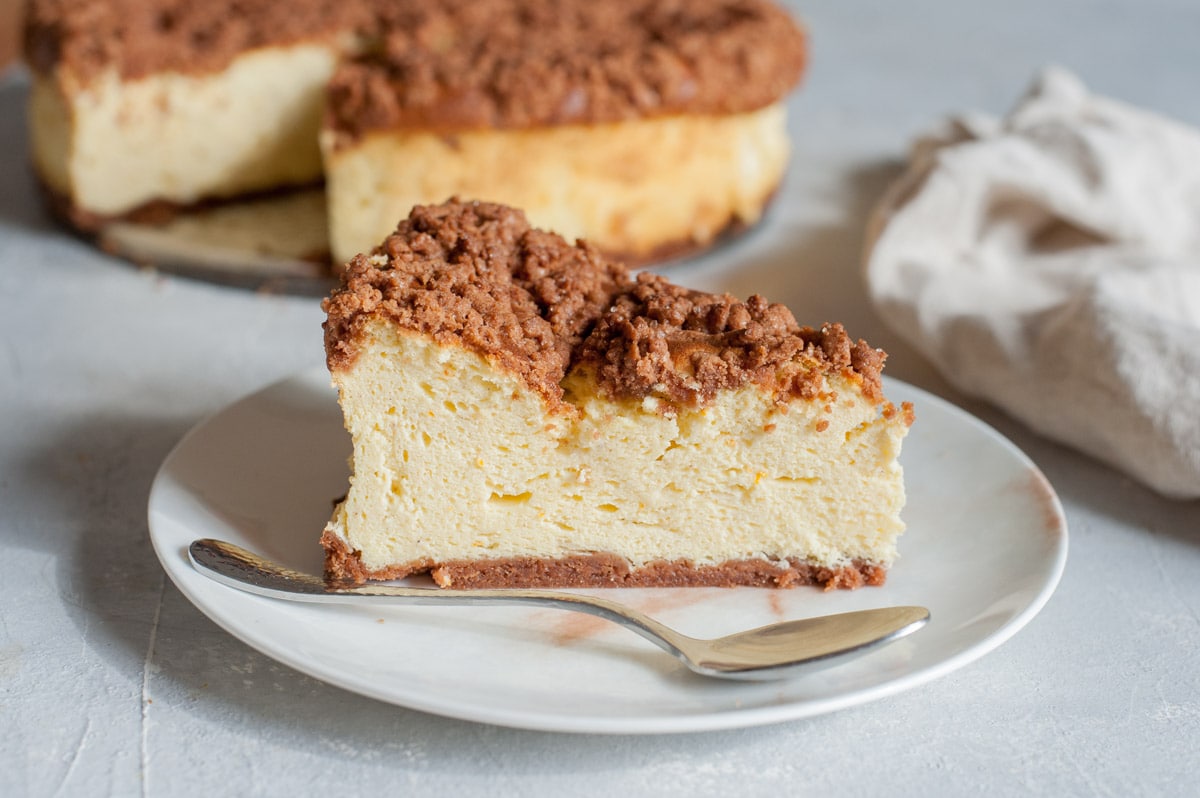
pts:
[112, 683]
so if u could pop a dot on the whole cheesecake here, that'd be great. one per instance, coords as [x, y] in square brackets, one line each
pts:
[524, 411]
[647, 127]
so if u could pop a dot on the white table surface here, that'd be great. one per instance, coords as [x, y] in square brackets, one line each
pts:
[111, 683]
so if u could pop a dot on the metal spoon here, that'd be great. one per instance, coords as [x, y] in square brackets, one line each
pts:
[775, 651]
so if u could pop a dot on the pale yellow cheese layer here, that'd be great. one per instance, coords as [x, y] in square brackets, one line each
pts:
[627, 188]
[456, 460]
[113, 145]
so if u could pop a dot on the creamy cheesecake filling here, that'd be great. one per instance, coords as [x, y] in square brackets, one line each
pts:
[525, 411]
[632, 188]
[456, 460]
[111, 145]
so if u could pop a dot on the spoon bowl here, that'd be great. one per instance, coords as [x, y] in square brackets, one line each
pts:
[775, 651]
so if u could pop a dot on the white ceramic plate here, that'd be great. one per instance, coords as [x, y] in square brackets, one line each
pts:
[985, 546]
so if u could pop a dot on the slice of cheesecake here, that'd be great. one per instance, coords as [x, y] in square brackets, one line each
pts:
[648, 128]
[526, 412]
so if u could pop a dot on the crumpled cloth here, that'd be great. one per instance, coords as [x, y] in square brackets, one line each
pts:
[1049, 263]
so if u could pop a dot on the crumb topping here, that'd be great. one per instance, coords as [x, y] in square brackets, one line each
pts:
[477, 275]
[662, 339]
[140, 37]
[455, 64]
[522, 63]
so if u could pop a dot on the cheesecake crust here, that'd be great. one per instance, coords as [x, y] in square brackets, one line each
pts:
[477, 275]
[600, 570]
[478, 64]
[161, 211]
[155, 212]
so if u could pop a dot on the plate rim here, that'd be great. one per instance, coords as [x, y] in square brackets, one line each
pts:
[180, 571]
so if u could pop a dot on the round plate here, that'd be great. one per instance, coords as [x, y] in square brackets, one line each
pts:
[985, 546]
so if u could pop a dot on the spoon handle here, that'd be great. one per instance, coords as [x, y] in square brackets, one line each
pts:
[237, 567]
[764, 653]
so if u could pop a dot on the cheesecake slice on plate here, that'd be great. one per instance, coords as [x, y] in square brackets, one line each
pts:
[525, 411]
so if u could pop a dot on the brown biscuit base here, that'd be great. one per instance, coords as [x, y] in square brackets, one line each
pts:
[160, 212]
[600, 570]
[152, 213]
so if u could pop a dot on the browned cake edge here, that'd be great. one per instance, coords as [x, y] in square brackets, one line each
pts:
[161, 211]
[599, 570]
[688, 247]
[155, 212]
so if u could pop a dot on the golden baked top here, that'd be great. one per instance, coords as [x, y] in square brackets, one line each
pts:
[140, 37]
[477, 275]
[474, 64]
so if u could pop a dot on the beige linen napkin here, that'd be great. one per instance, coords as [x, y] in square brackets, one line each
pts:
[1049, 262]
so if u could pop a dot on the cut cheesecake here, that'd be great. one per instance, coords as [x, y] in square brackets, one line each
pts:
[140, 107]
[647, 128]
[526, 412]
